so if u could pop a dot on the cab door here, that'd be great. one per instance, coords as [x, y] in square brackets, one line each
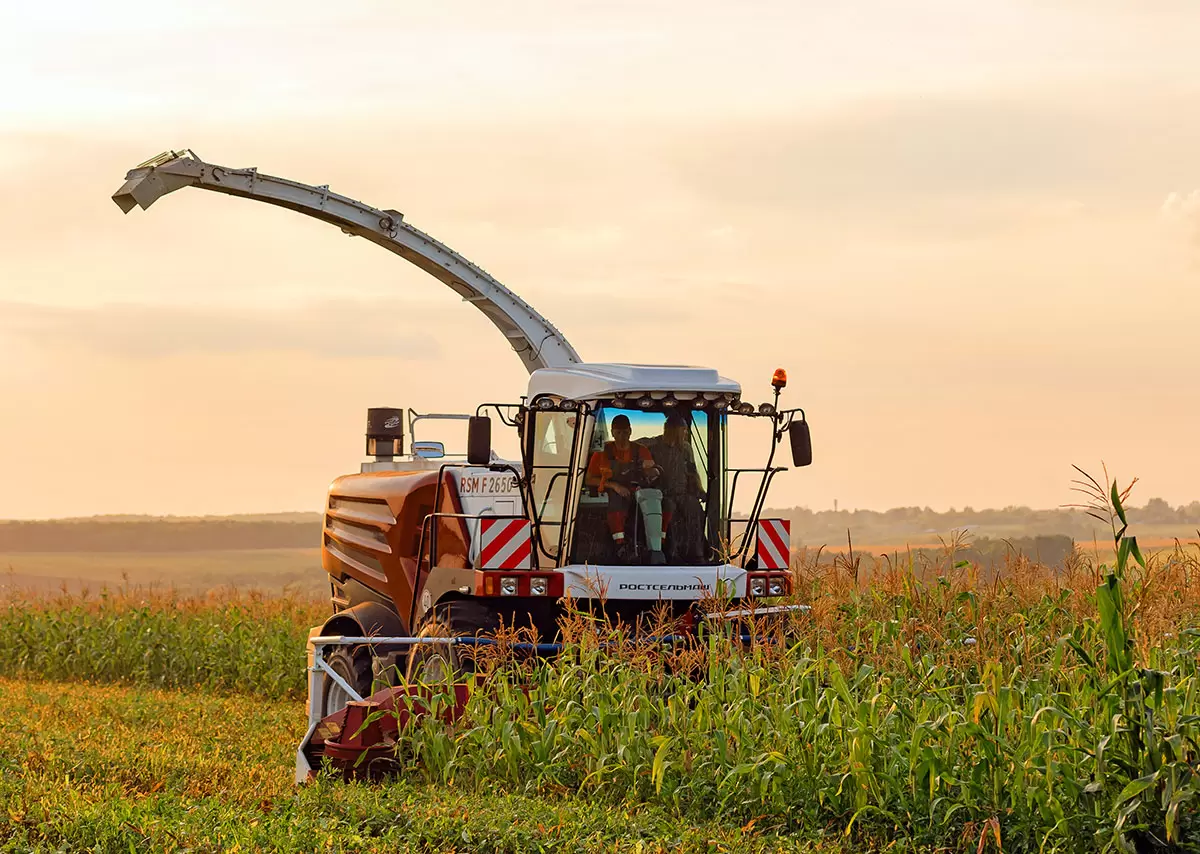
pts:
[555, 457]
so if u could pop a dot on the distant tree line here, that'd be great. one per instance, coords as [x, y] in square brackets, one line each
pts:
[922, 525]
[156, 536]
[986, 552]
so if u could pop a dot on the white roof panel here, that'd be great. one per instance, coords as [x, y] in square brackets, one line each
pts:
[599, 380]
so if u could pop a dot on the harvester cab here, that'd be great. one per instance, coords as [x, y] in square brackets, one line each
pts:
[622, 499]
[628, 479]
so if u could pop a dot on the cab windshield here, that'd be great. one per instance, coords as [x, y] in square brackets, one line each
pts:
[651, 490]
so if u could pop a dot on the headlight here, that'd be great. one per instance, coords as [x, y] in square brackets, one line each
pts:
[537, 586]
[776, 586]
[508, 586]
[758, 586]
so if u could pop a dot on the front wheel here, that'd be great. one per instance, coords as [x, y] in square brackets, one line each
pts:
[433, 663]
[353, 664]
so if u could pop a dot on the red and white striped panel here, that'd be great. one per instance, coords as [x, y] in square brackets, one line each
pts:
[774, 543]
[505, 543]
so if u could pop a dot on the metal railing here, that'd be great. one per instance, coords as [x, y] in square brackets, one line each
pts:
[429, 524]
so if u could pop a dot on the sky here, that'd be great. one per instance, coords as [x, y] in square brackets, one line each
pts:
[970, 232]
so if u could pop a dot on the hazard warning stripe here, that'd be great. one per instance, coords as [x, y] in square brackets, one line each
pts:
[774, 543]
[504, 544]
[495, 535]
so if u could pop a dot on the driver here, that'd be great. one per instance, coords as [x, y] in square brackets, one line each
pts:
[619, 471]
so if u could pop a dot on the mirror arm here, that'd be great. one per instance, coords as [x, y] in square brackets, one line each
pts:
[760, 497]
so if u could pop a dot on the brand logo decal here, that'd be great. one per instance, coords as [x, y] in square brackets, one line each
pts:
[658, 587]
[392, 423]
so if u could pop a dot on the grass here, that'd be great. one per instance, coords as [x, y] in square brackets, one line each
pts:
[109, 768]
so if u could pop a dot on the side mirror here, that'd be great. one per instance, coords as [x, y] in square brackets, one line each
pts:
[801, 443]
[479, 440]
[429, 450]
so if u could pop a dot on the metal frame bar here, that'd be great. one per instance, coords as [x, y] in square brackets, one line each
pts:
[573, 470]
[506, 418]
[414, 417]
[319, 661]
[783, 419]
[429, 523]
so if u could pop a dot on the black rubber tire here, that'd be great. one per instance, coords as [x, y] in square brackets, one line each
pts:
[429, 663]
[354, 665]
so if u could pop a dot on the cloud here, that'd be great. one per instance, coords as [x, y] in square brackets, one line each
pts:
[959, 165]
[1182, 205]
[343, 329]
[1183, 210]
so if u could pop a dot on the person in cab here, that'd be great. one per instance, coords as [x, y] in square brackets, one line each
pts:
[682, 489]
[623, 471]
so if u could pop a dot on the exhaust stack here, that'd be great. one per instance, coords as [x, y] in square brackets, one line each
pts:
[385, 433]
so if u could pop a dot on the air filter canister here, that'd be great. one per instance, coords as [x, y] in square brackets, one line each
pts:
[385, 432]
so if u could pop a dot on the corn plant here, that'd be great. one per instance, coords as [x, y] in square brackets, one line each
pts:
[1153, 742]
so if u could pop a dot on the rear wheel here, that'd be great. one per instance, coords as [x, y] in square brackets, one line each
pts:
[433, 663]
[353, 664]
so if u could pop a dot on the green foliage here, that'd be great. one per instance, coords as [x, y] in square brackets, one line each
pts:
[95, 768]
[1153, 743]
[232, 642]
[921, 753]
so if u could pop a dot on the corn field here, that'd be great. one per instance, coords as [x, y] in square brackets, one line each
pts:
[1037, 709]
[1042, 711]
[227, 642]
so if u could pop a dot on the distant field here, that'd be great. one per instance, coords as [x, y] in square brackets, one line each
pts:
[269, 570]
[276, 571]
[1102, 547]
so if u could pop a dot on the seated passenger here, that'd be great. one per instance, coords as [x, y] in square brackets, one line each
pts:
[683, 517]
[621, 471]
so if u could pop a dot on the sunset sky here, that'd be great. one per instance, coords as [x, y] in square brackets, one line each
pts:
[970, 231]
